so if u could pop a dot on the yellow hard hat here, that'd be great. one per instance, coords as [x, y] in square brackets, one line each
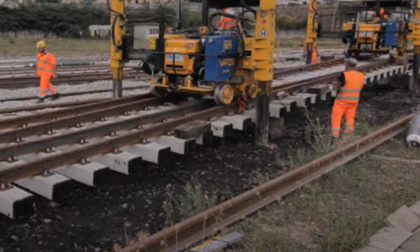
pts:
[41, 44]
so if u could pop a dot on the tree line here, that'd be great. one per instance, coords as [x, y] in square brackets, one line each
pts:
[65, 20]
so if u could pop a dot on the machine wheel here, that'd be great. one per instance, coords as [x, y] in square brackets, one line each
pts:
[156, 91]
[224, 94]
[252, 91]
[393, 53]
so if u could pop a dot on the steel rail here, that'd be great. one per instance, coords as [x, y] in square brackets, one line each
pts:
[25, 98]
[53, 115]
[324, 79]
[110, 144]
[309, 67]
[195, 229]
[19, 70]
[16, 135]
[49, 106]
[108, 128]
[24, 82]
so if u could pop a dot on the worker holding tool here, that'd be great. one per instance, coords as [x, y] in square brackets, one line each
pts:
[45, 69]
[347, 98]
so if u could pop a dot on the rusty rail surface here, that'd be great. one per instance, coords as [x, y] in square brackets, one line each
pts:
[309, 67]
[72, 111]
[195, 229]
[26, 98]
[173, 118]
[49, 106]
[33, 81]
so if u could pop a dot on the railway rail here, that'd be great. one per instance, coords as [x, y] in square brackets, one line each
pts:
[33, 146]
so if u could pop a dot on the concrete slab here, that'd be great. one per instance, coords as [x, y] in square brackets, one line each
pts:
[204, 139]
[50, 186]
[219, 244]
[277, 110]
[89, 173]
[389, 238]
[16, 203]
[222, 129]
[239, 122]
[288, 102]
[122, 162]
[412, 244]
[251, 113]
[151, 152]
[177, 145]
[370, 249]
[313, 98]
[192, 130]
[404, 219]
[415, 208]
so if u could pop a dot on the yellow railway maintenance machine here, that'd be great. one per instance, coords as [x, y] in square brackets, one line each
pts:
[380, 27]
[223, 63]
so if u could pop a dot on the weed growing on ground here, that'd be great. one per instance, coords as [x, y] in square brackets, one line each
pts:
[191, 200]
[342, 209]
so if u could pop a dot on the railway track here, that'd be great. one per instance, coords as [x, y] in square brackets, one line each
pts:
[279, 73]
[197, 228]
[44, 148]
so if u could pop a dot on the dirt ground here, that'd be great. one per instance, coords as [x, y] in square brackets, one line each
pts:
[94, 219]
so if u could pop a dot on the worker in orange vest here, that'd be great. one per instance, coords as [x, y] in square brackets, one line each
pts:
[45, 69]
[347, 99]
[227, 22]
[314, 55]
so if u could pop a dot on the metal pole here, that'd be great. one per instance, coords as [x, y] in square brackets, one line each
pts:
[117, 89]
[414, 82]
[262, 120]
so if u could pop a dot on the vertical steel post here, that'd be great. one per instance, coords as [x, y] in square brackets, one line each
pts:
[263, 52]
[415, 36]
[116, 44]
[311, 30]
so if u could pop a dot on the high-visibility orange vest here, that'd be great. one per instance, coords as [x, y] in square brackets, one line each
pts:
[227, 22]
[45, 63]
[353, 85]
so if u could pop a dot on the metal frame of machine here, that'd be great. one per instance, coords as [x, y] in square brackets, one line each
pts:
[379, 35]
[222, 63]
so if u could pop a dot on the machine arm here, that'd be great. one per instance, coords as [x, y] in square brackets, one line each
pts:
[311, 30]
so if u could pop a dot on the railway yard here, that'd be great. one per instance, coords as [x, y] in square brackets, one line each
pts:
[88, 173]
[210, 137]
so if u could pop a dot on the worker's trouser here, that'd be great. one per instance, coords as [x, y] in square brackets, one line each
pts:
[313, 57]
[45, 85]
[340, 108]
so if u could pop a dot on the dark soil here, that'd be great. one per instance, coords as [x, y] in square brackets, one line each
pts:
[93, 219]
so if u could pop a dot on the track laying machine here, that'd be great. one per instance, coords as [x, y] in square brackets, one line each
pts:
[379, 27]
[224, 63]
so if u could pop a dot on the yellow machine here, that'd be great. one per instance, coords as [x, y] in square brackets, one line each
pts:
[224, 63]
[381, 28]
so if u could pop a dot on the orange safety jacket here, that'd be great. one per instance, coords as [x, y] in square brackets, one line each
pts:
[45, 63]
[350, 91]
[228, 23]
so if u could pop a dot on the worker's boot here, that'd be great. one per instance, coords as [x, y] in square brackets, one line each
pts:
[40, 100]
[55, 96]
